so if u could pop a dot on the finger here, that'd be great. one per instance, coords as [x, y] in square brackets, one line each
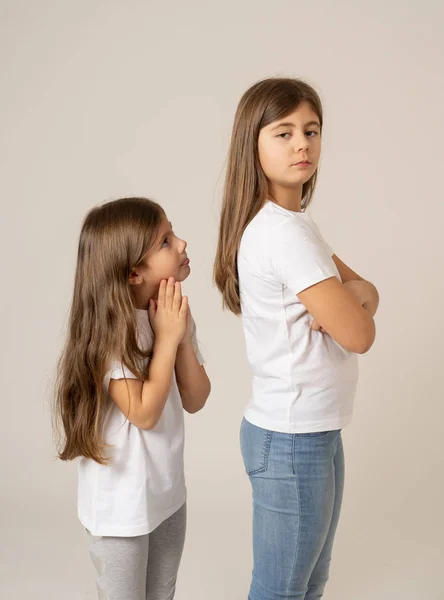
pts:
[177, 301]
[315, 325]
[169, 294]
[184, 307]
[162, 294]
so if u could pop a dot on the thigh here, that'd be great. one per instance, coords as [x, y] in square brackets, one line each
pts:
[165, 552]
[320, 574]
[315, 472]
[293, 489]
[121, 565]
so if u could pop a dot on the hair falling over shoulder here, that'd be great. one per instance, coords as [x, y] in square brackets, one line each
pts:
[102, 322]
[246, 187]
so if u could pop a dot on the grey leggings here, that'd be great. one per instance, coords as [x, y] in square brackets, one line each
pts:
[143, 567]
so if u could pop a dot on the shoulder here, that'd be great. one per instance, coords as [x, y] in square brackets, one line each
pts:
[114, 368]
[273, 225]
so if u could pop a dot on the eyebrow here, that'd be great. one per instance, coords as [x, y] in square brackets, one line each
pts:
[309, 124]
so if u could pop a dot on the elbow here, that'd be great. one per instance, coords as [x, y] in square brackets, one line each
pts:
[192, 409]
[366, 340]
[147, 424]
[363, 348]
[193, 403]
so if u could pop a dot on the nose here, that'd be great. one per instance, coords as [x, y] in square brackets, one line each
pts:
[182, 245]
[301, 142]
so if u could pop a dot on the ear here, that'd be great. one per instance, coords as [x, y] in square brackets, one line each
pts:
[135, 278]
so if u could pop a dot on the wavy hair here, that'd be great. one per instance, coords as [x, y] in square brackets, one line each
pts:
[102, 323]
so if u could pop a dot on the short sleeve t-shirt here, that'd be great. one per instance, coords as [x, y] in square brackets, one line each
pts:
[303, 381]
[143, 483]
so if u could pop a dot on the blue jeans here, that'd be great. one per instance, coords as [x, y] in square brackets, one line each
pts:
[297, 481]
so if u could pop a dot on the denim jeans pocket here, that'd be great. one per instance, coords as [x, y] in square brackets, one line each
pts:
[255, 447]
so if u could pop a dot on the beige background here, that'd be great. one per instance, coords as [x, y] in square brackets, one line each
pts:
[101, 99]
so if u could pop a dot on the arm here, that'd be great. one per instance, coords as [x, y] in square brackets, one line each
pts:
[314, 280]
[365, 291]
[345, 272]
[144, 401]
[340, 314]
[192, 380]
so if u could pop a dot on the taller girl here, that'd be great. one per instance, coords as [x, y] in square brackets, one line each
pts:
[306, 315]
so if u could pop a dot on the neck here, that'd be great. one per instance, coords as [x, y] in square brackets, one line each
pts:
[140, 304]
[142, 297]
[289, 198]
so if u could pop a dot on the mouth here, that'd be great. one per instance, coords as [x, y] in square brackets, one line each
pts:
[303, 163]
[185, 263]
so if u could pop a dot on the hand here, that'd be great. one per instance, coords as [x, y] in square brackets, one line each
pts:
[187, 337]
[316, 326]
[168, 316]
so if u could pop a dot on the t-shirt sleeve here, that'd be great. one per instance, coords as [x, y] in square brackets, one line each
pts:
[327, 246]
[298, 258]
[117, 370]
[195, 343]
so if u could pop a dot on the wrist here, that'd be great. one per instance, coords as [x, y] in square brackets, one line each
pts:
[165, 343]
[186, 341]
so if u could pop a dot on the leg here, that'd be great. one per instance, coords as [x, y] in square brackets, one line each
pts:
[121, 566]
[319, 576]
[293, 494]
[165, 551]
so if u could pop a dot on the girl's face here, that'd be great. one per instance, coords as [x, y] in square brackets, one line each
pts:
[290, 148]
[166, 258]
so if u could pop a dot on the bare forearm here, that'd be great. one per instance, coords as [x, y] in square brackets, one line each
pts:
[192, 380]
[349, 277]
[156, 388]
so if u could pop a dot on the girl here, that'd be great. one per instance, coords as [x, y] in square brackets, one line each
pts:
[305, 315]
[130, 365]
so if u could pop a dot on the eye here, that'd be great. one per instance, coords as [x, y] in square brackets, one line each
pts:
[311, 133]
[284, 136]
[165, 242]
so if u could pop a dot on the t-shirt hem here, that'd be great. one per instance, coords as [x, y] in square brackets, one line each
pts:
[107, 530]
[308, 282]
[299, 427]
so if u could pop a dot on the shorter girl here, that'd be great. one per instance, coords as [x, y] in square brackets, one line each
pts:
[131, 363]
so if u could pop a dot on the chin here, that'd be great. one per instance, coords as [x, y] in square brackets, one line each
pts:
[298, 181]
[183, 273]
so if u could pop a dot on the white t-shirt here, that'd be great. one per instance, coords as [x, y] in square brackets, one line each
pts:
[303, 381]
[143, 483]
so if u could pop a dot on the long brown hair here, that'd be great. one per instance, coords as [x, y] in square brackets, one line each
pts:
[246, 186]
[102, 322]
